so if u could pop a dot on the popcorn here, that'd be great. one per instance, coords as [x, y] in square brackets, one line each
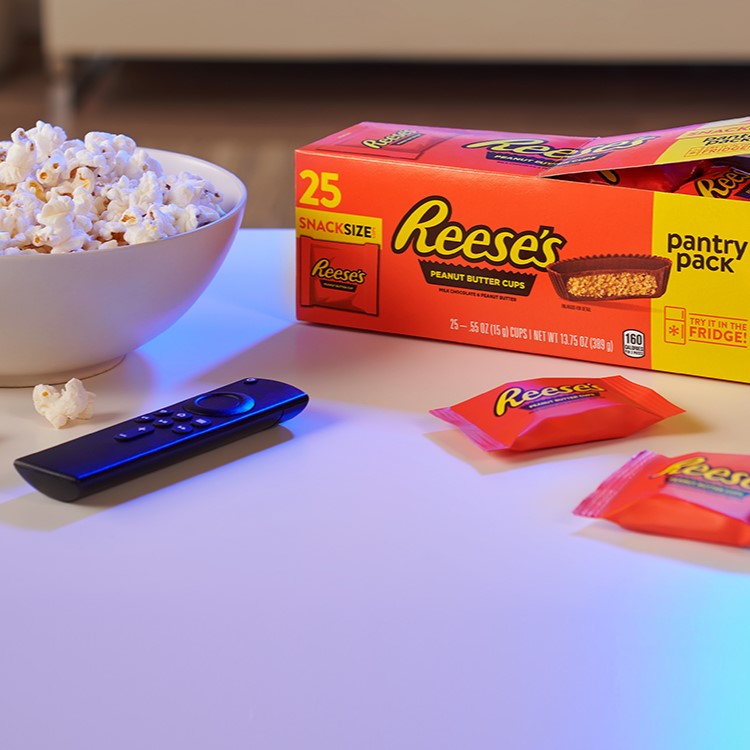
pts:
[58, 232]
[59, 407]
[60, 195]
[20, 158]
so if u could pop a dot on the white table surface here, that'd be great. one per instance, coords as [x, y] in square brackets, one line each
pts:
[362, 577]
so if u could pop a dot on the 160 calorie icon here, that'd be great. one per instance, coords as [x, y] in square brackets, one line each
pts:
[634, 343]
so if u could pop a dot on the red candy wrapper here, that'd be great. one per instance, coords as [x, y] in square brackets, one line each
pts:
[333, 274]
[702, 496]
[546, 412]
[662, 178]
[388, 141]
[720, 182]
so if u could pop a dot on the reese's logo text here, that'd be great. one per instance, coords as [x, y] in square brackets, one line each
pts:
[429, 230]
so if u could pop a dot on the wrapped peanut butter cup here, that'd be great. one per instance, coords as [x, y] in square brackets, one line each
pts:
[663, 178]
[720, 181]
[550, 411]
[701, 496]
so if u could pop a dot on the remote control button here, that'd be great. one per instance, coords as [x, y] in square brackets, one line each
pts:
[163, 422]
[163, 412]
[144, 418]
[182, 429]
[201, 422]
[250, 381]
[136, 432]
[221, 404]
[182, 416]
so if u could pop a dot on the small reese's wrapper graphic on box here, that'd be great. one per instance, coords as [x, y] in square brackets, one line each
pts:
[339, 275]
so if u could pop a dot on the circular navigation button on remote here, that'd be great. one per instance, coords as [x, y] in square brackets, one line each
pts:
[220, 404]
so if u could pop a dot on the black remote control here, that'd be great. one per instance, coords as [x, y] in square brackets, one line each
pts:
[116, 454]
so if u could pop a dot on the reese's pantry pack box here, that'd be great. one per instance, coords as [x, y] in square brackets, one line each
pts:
[627, 250]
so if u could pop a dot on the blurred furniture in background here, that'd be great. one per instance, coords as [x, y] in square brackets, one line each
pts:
[545, 31]
[8, 28]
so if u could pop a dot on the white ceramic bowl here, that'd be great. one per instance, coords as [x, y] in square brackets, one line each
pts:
[75, 315]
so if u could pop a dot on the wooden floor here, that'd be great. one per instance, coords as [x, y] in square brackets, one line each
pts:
[249, 117]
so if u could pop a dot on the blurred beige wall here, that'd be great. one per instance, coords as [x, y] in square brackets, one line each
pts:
[597, 31]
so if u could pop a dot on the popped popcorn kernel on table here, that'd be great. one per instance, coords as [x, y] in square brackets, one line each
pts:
[60, 195]
[59, 407]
